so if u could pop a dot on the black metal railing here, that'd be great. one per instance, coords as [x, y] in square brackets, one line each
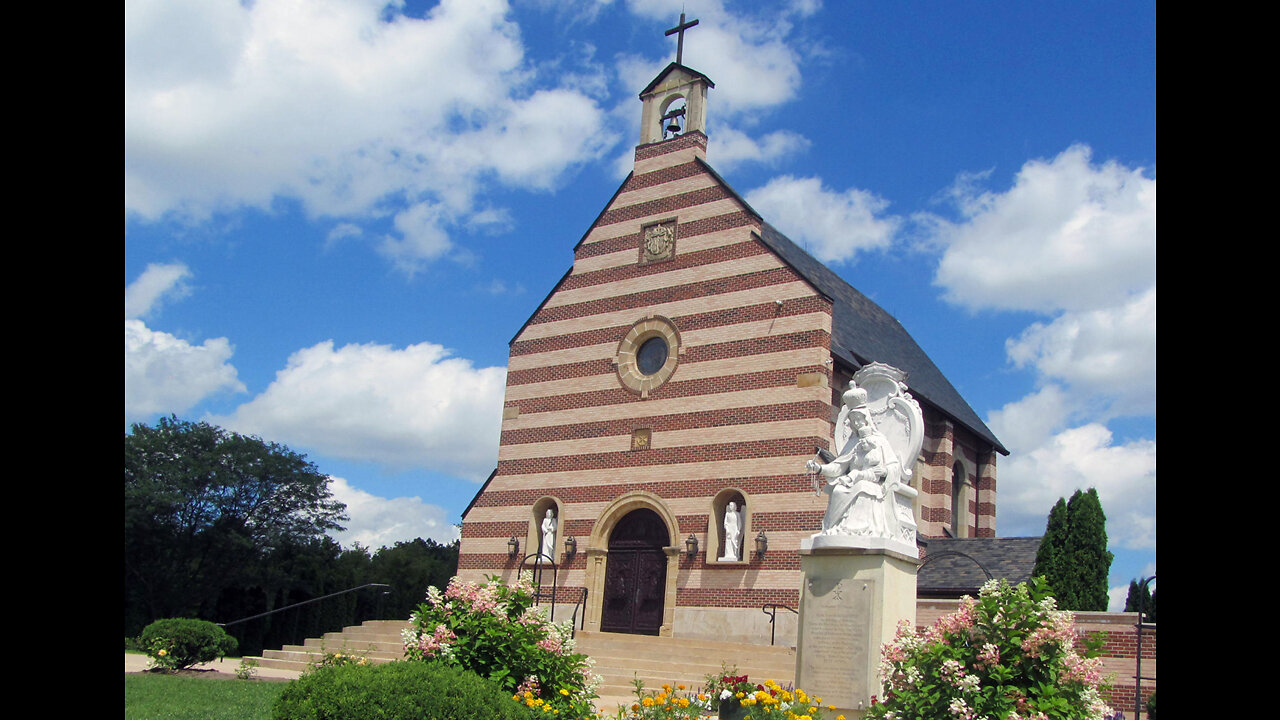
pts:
[1137, 675]
[575, 620]
[250, 640]
[771, 609]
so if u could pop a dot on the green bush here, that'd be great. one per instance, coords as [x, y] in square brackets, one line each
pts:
[1151, 706]
[395, 691]
[177, 643]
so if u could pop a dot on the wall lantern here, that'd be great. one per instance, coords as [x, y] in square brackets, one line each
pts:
[570, 547]
[513, 547]
[762, 544]
[691, 545]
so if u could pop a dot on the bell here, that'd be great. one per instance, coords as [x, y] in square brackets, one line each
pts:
[673, 128]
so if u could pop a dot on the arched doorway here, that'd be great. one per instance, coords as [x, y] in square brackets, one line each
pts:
[635, 578]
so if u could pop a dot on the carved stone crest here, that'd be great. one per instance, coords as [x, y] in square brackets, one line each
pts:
[658, 242]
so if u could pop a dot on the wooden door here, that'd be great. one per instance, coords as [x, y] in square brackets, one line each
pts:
[635, 578]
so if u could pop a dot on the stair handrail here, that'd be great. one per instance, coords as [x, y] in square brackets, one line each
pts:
[573, 621]
[771, 609]
[539, 559]
[299, 604]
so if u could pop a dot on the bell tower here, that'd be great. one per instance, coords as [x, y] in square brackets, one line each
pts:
[675, 103]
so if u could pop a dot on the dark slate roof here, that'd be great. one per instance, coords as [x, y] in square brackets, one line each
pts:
[673, 66]
[953, 566]
[862, 332]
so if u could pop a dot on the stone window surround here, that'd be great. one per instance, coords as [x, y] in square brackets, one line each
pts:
[629, 373]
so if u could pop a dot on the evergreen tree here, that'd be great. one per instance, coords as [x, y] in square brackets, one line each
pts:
[1073, 554]
[1048, 555]
[1141, 597]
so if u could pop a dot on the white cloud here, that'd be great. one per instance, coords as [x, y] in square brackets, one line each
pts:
[377, 521]
[746, 57]
[344, 105]
[734, 147]
[164, 374]
[1069, 235]
[1108, 353]
[413, 407]
[1116, 598]
[834, 226]
[1035, 475]
[158, 282]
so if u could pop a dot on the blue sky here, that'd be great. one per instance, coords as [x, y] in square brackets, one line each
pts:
[339, 212]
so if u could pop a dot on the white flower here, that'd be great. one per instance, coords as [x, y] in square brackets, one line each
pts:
[726, 694]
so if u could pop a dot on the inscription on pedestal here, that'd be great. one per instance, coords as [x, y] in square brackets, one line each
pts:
[834, 634]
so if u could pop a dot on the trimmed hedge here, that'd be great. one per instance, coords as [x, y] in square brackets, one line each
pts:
[395, 691]
[178, 643]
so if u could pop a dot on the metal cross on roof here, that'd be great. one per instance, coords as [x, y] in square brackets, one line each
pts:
[680, 40]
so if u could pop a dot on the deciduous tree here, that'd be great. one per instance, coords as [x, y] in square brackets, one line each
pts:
[202, 505]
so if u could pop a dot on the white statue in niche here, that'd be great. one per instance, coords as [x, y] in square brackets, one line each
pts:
[548, 549]
[878, 434]
[732, 532]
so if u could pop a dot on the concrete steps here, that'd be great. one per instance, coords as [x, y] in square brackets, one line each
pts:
[619, 658]
[377, 640]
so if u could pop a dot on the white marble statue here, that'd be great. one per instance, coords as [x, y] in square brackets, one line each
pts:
[732, 533]
[548, 549]
[878, 435]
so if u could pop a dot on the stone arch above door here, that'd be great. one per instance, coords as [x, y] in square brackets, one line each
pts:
[598, 555]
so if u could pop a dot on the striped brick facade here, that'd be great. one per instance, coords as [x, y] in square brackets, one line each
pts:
[754, 389]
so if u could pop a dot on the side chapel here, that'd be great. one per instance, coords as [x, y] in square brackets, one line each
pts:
[687, 366]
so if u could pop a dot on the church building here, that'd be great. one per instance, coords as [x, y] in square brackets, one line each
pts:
[687, 366]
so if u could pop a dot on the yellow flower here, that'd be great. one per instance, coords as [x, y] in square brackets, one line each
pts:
[564, 692]
[839, 717]
[680, 687]
[162, 653]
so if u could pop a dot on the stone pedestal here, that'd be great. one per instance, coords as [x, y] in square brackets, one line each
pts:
[850, 605]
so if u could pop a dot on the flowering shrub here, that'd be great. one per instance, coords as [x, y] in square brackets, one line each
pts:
[1008, 655]
[495, 631]
[178, 643]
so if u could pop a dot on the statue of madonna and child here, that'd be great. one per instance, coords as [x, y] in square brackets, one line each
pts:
[878, 435]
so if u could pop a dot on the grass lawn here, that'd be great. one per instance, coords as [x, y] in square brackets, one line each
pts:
[169, 697]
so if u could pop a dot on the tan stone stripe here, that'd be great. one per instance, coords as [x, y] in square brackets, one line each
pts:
[686, 276]
[662, 190]
[684, 245]
[688, 371]
[672, 406]
[693, 338]
[688, 214]
[710, 470]
[662, 162]
[794, 502]
[668, 439]
[673, 310]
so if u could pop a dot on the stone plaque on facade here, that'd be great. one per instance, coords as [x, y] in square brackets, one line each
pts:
[835, 633]
[658, 242]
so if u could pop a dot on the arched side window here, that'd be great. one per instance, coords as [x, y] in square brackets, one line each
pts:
[960, 492]
[717, 543]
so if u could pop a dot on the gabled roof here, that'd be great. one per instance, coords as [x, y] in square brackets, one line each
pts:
[862, 332]
[667, 70]
[953, 566]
